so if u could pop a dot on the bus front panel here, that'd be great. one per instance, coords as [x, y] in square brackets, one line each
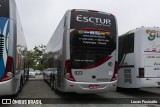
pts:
[92, 46]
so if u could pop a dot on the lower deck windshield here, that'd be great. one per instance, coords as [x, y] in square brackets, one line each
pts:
[88, 47]
[82, 57]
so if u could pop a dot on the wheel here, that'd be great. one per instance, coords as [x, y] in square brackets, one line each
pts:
[16, 94]
[21, 84]
[53, 83]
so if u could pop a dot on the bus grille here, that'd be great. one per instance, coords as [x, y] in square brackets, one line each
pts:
[127, 76]
[1, 45]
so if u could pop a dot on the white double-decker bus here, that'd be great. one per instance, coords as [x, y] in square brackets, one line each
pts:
[139, 58]
[13, 61]
[84, 52]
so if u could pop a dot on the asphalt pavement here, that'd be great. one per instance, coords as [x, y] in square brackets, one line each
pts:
[38, 89]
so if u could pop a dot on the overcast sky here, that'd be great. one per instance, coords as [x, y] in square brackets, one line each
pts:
[40, 18]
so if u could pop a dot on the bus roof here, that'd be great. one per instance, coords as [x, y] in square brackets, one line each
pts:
[92, 11]
[139, 28]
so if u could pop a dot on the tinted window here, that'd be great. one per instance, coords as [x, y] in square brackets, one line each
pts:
[93, 38]
[4, 8]
[89, 49]
[126, 43]
[82, 58]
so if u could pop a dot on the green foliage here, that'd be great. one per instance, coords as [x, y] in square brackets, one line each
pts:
[35, 56]
[50, 60]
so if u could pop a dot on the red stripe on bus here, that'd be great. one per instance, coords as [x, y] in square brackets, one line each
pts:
[152, 51]
[93, 29]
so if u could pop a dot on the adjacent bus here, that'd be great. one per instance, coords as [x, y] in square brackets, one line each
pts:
[83, 52]
[13, 61]
[139, 58]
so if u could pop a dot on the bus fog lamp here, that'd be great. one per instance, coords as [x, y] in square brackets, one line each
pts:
[9, 74]
[67, 75]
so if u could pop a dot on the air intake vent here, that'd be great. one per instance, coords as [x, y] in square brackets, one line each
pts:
[1, 45]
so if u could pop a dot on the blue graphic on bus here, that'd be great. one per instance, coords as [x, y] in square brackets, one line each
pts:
[4, 33]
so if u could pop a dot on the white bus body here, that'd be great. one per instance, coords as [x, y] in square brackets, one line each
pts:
[139, 58]
[83, 49]
[13, 60]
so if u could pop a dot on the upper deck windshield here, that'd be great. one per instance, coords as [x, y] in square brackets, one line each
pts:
[93, 29]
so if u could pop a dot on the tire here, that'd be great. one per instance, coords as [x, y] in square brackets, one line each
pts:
[44, 77]
[21, 84]
[15, 95]
[53, 83]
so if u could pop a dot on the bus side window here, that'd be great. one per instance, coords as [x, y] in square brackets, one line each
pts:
[120, 46]
[131, 43]
[126, 44]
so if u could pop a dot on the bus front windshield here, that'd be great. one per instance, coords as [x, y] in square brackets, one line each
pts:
[93, 39]
[89, 47]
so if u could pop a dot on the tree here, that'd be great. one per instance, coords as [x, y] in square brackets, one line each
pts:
[35, 56]
[50, 60]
